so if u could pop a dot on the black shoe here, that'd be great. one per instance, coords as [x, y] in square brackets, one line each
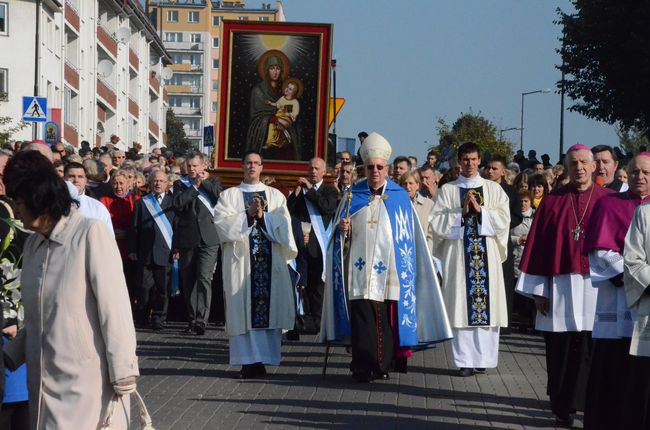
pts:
[157, 326]
[247, 371]
[564, 422]
[260, 370]
[220, 323]
[199, 329]
[382, 376]
[505, 331]
[465, 372]
[293, 335]
[189, 329]
[361, 377]
[480, 370]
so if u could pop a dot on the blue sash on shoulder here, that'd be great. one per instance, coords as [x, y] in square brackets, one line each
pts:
[203, 196]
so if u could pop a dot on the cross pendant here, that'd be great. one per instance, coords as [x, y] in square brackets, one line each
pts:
[576, 233]
[371, 222]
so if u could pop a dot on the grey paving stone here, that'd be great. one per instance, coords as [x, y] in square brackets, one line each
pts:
[187, 383]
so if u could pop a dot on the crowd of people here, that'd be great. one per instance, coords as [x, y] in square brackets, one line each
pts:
[384, 257]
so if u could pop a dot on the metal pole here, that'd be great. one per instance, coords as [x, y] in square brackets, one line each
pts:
[334, 92]
[521, 124]
[37, 40]
[562, 115]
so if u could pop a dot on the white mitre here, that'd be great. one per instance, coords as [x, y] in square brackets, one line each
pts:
[375, 146]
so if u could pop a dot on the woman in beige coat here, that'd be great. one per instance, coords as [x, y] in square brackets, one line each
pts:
[78, 340]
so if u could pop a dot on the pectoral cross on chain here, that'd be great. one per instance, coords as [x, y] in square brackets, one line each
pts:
[372, 222]
[576, 233]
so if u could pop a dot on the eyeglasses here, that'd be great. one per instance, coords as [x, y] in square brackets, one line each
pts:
[375, 167]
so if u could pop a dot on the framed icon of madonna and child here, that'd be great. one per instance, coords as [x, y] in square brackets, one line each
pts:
[273, 93]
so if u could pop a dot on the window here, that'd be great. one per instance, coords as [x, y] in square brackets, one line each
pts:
[3, 19]
[172, 16]
[214, 107]
[215, 42]
[192, 17]
[67, 105]
[216, 21]
[215, 84]
[196, 37]
[215, 63]
[177, 58]
[4, 84]
[175, 101]
[173, 37]
[195, 59]
[264, 18]
[195, 102]
[242, 18]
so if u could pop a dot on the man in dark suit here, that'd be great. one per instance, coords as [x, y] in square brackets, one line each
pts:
[196, 239]
[314, 202]
[150, 244]
[496, 171]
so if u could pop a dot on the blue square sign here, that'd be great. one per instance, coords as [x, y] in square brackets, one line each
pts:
[34, 109]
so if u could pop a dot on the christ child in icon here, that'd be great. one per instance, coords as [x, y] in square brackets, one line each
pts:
[288, 110]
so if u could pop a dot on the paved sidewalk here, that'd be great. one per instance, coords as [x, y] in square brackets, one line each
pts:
[188, 384]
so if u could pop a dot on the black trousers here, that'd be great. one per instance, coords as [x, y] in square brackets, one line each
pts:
[635, 410]
[153, 297]
[568, 359]
[372, 337]
[197, 268]
[14, 416]
[314, 288]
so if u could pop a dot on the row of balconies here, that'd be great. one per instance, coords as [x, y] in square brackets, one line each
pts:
[184, 46]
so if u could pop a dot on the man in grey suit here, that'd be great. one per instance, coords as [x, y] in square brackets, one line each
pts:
[196, 239]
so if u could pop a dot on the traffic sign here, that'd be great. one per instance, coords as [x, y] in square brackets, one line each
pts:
[208, 135]
[34, 109]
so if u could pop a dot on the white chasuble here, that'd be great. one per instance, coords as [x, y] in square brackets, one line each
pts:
[637, 278]
[449, 247]
[371, 267]
[232, 227]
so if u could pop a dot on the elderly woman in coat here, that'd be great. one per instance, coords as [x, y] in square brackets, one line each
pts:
[78, 340]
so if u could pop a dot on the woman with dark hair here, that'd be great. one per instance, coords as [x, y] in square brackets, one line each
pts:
[78, 339]
[538, 187]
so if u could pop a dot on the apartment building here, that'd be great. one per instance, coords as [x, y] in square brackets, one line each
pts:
[100, 62]
[191, 32]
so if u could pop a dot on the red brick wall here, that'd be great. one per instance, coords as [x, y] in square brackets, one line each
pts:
[106, 40]
[70, 135]
[72, 18]
[133, 59]
[133, 108]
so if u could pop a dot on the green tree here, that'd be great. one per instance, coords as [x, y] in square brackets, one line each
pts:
[605, 51]
[631, 139]
[177, 142]
[8, 127]
[470, 127]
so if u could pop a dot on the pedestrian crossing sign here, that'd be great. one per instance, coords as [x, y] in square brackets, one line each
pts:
[34, 109]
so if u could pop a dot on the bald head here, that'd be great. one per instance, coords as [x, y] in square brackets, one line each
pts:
[316, 170]
[43, 149]
[639, 175]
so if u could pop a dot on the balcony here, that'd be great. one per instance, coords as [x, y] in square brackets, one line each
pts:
[154, 83]
[106, 40]
[184, 46]
[133, 108]
[184, 89]
[70, 133]
[72, 14]
[186, 110]
[153, 127]
[133, 59]
[193, 132]
[106, 92]
[181, 67]
[71, 75]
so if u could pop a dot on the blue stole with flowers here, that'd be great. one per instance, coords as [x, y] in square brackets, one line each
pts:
[400, 212]
[477, 280]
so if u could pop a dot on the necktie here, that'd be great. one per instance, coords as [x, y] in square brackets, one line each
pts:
[159, 198]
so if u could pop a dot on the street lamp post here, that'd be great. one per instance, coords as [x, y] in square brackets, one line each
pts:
[521, 125]
[506, 129]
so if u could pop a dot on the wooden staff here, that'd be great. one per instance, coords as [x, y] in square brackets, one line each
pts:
[347, 213]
